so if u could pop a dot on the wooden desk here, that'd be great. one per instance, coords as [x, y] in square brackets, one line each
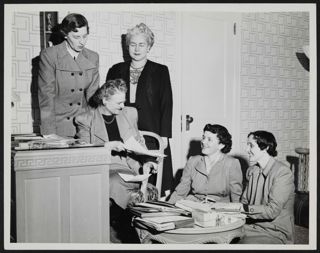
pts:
[194, 235]
[62, 195]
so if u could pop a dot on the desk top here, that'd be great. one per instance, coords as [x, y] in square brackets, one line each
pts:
[60, 158]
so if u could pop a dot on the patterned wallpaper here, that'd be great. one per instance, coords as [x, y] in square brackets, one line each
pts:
[105, 38]
[25, 48]
[274, 86]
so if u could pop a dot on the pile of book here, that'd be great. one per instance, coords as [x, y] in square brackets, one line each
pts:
[160, 216]
[34, 141]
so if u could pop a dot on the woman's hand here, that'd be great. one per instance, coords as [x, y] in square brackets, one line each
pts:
[150, 167]
[115, 145]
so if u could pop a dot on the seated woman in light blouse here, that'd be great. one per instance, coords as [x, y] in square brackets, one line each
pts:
[212, 174]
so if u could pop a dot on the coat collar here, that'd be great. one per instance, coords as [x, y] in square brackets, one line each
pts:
[100, 129]
[265, 171]
[66, 62]
[201, 166]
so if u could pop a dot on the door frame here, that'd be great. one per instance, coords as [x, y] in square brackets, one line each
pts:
[178, 122]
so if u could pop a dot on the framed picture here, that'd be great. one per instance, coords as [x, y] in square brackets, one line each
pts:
[48, 27]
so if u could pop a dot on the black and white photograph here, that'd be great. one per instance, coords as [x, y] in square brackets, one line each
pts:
[160, 126]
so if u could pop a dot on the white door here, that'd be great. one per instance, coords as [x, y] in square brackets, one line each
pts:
[209, 77]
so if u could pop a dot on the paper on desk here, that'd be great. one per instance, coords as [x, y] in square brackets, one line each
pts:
[133, 145]
[133, 178]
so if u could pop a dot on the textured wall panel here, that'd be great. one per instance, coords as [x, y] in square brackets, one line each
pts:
[274, 86]
[26, 46]
[106, 29]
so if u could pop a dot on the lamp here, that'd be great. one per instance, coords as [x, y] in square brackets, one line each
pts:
[303, 57]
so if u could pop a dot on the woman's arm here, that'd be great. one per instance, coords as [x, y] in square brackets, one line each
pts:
[166, 104]
[280, 191]
[47, 93]
[113, 74]
[184, 186]
[235, 181]
[83, 129]
[94, 85]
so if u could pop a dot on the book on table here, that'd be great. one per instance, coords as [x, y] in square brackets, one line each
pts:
[165, 222]
[159, 207]
[226, 207]
[156, 209]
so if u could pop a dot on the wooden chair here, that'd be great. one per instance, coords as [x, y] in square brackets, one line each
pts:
[160, 164]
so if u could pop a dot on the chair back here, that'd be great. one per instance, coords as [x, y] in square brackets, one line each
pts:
[160, 163]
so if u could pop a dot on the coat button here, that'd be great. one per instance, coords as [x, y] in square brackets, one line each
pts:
[80, 73]
[72, 74]
[80, 89]
[68, 118]
[70, 104]
[79, 103]
[72, 90]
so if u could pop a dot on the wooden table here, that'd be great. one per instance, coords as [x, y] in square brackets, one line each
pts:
[195, 235]
[62, 195]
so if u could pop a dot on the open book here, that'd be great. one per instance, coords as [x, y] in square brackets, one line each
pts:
[132, 145]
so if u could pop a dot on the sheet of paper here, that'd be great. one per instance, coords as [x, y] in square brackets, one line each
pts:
[133, 178]
[133, 145]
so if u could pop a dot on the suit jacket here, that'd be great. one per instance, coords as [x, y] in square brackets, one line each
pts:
[91, 128]
[153, 96]
[275, 211]
[224, 179]
[64, 87]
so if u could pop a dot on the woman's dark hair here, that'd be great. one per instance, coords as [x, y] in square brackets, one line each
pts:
[265, 140]
[222, 134]
[72, 22]
[106, 91]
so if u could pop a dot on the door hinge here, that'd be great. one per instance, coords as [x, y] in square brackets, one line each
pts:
[234, 28]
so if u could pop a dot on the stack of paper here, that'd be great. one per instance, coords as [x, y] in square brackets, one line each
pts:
[157, 209]
[166, 223]
[47, 142]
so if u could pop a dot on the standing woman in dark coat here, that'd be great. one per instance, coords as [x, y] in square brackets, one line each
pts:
[149, 92]
[68, 77]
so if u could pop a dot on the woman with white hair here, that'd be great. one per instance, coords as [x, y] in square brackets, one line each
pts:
[149, 92]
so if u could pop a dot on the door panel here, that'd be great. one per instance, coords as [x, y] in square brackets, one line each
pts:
[209, 77]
